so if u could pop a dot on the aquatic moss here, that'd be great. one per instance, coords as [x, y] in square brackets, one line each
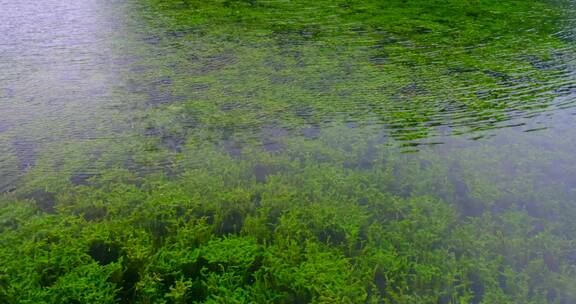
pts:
[260, 160]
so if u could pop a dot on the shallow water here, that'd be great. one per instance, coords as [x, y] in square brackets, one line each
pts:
[470, 104]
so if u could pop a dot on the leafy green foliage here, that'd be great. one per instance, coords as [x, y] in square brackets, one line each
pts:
[318, 234]
[263, 163]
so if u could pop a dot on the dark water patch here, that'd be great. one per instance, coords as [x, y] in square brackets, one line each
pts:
[551, 261]
[271, 131]
[133, 86]
[287, 35]
[139, 69]
[152, 39]
[162, 81]
[193, 58]
[174, 142]
[352, 124]
[7, 188]
[231, 3]
[303, 296]
[365, 162]
[83, 179]
[477, 287]
[25, 151]
[360, 241]
[536, 209]
[194, 269]
[274, 216]
[93, 213]
[551, 295]
[368, 158]
[10, 223]
[537, 228]
[226, 107]
[158, 91]
[566, 90]
[398, 188]
[544, 64]
[380, 282]
[262, 171]
[425, 164]
[312, 132]
[218, 62]
[49, 274]
[129, 163]
[387, 39]
[130, 276]
[157, 228]
[462, 70]
[502, 279]
[255, 266]
[181, 33]
[272, 146]
[423, 30]
[158, 96]
[234, 148]
[207, 215]
[270, 137]
[168, 139]
[412, 89]
[256, 199]
[502, 76]
[379, 59]
[104, 252]
[199, 86]
[535, 129]
[230, 223]
[307, 113]
[44, 200]
[334, 236]
[502, 204]
[281, 79]
[468, 206]
[227, 132]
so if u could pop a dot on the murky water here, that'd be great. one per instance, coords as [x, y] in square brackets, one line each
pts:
[472, 105]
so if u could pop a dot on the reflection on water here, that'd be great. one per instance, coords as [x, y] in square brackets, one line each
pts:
[278, 103]
[58, 67]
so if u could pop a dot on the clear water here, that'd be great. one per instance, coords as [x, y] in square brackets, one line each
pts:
[421, 101]
[114, 75]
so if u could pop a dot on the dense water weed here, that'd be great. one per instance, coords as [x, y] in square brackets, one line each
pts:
[248, 151]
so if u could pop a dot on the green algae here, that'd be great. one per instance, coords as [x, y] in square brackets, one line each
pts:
[324, 234]
[259, 159]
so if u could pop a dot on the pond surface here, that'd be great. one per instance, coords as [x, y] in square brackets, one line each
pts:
[251, 151]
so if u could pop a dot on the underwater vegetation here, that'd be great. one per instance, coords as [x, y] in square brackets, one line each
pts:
[306, 152]
[277, 230]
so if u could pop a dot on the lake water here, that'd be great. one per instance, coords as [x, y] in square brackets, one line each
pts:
[248, 151]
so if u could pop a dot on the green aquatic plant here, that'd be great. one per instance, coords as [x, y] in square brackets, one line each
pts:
[318, 233]
[258, 157]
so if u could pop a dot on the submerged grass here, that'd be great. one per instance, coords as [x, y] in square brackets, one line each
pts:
[263, 162]
[311, 232]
